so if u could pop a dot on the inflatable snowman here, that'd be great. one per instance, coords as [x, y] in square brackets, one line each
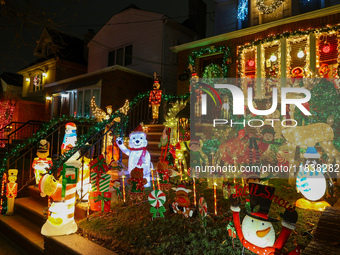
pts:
[311, 181]
[138, 154]
[257, 233]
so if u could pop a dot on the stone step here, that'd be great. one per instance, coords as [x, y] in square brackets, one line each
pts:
[23, 232]
[31, 209]
[73, 245]
[79, 213]
[155, 127]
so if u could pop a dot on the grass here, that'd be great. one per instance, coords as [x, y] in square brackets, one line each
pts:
[130, 229]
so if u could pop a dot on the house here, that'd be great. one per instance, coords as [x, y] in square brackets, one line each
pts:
[280, 30]
[11, 83]
[122, 58]
[59, 56]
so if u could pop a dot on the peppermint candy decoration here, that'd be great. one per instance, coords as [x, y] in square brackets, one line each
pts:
[156, 198]
[202, 207]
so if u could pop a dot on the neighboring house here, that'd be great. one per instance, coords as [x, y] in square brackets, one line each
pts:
[122, 58]
[307, 40]
[60, 56]
[140, 40]
[11, 83]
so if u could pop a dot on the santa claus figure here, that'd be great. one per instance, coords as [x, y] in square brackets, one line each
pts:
[257, 233]
[70, 138]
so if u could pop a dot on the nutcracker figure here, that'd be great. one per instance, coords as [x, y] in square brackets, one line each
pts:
[42, 162]
[155, 98]
[11, 191]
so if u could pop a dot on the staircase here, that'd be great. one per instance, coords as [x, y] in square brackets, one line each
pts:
[24, 228]
[154, 134]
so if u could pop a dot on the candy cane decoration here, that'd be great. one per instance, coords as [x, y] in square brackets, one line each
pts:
[124, 189]
[153, 180]
[194, 184]
[215, 200]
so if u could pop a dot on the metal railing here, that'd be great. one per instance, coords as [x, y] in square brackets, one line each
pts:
[18, 131]
[25, 156]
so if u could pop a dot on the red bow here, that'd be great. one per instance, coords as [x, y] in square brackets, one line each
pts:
[174, 148]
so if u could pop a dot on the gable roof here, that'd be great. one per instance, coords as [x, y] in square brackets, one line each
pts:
[12, 79]
[62, 45]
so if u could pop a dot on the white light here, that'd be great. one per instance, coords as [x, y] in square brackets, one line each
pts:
[44, 74]
[301, 54]
[28, 79]
[48, 98]
[64, 95]
[273, 58]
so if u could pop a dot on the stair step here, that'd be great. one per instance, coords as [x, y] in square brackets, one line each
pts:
[31, 209]
[73, 245]
[34, 193]
[155, 127]
[23, 232]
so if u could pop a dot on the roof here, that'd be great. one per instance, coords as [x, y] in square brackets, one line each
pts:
[12, 79]
[67, 47]
[258, 28]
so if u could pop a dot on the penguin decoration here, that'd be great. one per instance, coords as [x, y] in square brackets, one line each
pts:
[256, 232]
[311, 181]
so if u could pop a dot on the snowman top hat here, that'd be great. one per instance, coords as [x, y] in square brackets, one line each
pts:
[262, 197]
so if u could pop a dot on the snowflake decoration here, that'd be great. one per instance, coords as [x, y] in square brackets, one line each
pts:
[242, 10]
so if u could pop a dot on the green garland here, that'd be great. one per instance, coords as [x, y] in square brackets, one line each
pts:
[286, 35]
[212, 50]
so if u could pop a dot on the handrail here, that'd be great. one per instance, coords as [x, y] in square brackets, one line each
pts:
[25, 124]
[9, 124]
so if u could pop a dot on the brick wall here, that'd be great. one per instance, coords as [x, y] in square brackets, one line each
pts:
[183, 86]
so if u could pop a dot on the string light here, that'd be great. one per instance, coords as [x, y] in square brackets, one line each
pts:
[290, 42]
[213, 50]
[123, 177]
[265, 9]
[242, 10]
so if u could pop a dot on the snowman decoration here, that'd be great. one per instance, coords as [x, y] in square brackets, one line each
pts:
[311, 181]
[139, 157]
[257, 233]
[70, 138]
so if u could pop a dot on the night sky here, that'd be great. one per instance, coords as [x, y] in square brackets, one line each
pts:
[22, 21]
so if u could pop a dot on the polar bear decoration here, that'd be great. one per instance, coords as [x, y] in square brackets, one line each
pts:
[138, 154]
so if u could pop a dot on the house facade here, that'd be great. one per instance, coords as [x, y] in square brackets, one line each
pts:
[249, 51]
[122, 58]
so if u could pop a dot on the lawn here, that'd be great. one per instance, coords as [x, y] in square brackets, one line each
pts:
[129, 228]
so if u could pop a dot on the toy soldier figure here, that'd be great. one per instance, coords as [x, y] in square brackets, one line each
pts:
[155, 98]
[11, 191]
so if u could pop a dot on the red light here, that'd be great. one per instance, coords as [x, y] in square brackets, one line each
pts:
[326, 48]
[251, 62]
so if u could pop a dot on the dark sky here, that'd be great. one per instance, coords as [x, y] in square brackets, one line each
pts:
[22, 21]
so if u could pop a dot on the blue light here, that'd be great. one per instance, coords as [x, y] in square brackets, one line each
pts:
[242, 10]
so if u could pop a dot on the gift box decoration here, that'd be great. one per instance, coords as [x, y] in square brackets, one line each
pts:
[100, 182]
[100, 201]
[99, 165]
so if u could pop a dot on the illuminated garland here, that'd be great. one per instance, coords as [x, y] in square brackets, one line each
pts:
[265, 9]
[263, 62]
[290, 41]
[294, 33]
[242, 65]
[212, 50]
[319, 34]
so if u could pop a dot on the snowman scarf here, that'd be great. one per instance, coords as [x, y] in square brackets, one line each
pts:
[140, 161]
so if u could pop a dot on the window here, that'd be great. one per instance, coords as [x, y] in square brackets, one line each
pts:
[37, 82]
[83, 101]
[121, 56]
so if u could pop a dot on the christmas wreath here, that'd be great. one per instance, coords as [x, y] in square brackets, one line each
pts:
[265, 9]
